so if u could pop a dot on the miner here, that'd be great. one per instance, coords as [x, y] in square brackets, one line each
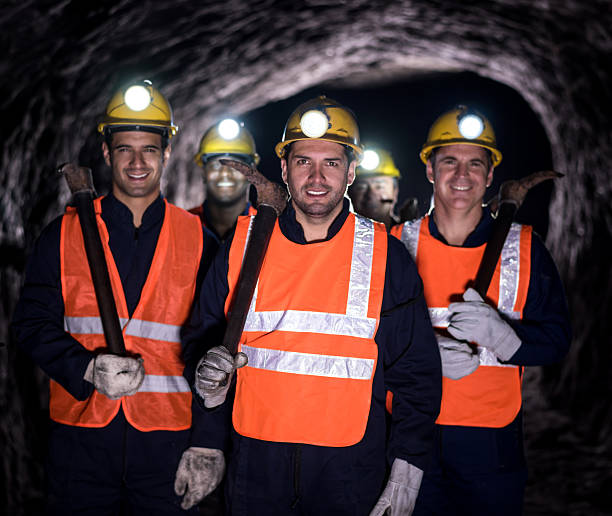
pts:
[121, 435]
[478, 465]
[337, 318]
[227, 190]
[375, 190]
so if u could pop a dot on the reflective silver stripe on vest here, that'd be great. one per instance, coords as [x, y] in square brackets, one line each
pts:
[410, 236]
[133, 327]
[354, 322]
[153, 330]
[508, 288]
[309, 364]
[510, 272]
[159, 383]
[440, 317]
[361, 268]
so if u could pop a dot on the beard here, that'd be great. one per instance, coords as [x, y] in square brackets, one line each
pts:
[314, 207]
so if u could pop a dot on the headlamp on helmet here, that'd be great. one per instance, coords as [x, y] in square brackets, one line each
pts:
[470, 125]
[314, 123]
[138, 107]
[229, 129]
[228, 138]
[324, 119]
[461, 125]
[377, 162]
[371, 160]
[138, 97]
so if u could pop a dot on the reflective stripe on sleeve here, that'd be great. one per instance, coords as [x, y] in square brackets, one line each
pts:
[309, 364]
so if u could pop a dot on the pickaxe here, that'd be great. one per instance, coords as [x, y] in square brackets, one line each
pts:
[509, 199]
[271, 201]
[81, 186]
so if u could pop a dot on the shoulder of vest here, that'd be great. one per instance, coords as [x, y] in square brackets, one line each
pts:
[181, 213]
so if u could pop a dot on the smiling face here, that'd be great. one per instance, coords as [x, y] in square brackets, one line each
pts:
[317, 173]
[224, 185]
[460, 177]
[137, 161]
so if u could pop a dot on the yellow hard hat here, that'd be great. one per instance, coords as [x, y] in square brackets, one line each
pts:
[139, 106]
[377, 162]
[461, 125]
[325, 119]
[226, 138]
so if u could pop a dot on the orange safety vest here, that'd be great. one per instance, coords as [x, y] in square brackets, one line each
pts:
[491, 395]
[163, 401]
[309, 335]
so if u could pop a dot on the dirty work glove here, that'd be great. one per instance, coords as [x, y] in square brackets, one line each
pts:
[199, 472]
[478, 322]
[401, 491]
[214, 374]
[458, 358]
[115, 376]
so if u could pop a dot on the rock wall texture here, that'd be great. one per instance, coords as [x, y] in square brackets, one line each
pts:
[62, 60]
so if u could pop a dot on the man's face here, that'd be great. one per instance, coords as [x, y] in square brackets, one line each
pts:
[374, 196]
[317, 173]
[460, 177]
[137, 160]
[224, 185]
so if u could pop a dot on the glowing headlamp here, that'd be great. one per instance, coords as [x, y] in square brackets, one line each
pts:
[138, 97]
[370, 160]
[314, 123]
[470, 126]
[228, 129]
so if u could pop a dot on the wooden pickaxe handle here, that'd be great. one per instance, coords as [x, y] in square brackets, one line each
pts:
[272, 199]
[511, 196]
[80, 183]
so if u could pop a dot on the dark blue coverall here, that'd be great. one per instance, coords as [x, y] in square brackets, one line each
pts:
[482, 471]
[117, 467]
[267, 478]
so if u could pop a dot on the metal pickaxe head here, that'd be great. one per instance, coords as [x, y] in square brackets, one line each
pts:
[515, 190]
[268, 192]
[79, 179]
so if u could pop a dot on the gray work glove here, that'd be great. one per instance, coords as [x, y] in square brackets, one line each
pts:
[478, 322]
[198, 474]
[214, 374]
[458, 358]
[401, 491]
[115, 376]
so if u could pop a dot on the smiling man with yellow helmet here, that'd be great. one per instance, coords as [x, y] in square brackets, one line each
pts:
[227, 190]
[122, 435]
[304, 399]
[478, 465]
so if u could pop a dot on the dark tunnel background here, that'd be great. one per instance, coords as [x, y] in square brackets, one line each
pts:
[540, 70]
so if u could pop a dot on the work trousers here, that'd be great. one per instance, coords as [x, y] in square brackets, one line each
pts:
[474, 471]
[266, 478]
[114, 470]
